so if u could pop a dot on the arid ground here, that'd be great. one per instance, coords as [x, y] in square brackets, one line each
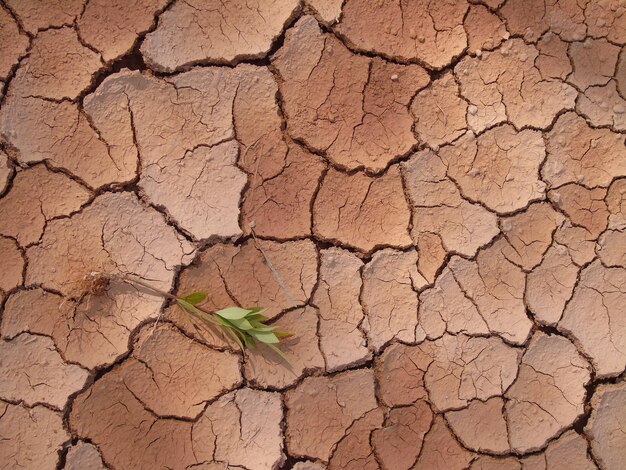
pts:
[431, 195]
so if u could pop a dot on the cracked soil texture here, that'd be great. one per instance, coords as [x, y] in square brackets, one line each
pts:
[431, 195]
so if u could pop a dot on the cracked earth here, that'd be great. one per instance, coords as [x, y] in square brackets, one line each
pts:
[430, 194]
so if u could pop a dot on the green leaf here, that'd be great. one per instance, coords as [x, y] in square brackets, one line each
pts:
[195, 311]
[257, 317]
[266, 337]
[224, 322]
[255, 310]
[258, 326]
[235, 337]
[249, 340]
[242, 324]
[283, 334]
[233, 313]
[194, 298]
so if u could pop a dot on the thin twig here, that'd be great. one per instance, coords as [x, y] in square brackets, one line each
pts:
[273, 270]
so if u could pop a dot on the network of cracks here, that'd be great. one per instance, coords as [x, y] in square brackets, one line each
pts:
[431, 195]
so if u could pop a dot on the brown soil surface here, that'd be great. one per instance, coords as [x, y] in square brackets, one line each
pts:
[431, 195]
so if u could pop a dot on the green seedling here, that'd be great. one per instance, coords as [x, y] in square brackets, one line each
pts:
[246, 326]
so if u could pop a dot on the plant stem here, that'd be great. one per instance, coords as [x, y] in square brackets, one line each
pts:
[162, 293]
[132, 280]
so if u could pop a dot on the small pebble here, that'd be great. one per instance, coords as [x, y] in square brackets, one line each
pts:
[394, 77]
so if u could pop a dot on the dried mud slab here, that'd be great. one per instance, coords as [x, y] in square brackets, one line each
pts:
[242, 428]
[520, 96]
[33, 372]
[391, 284]
[620, 74]
[411, 30]
[265, 368]
[579, 242]
[49, 318]
[585, 207]
[328, 10]
[548, 394]
[6, 171]
[500, 168]
[30, 437]
[216, 32]
[551, 284]
[114, 234]
[481, 426]
[485, 30]
[606, 19]
[607, 424]
[439, 112]
[594, 318]
[400, 373]
[466, 368]
[14, 43]
[446, 308]
[603, 106]
[42, 14]
[361, 211]
[400, 441]
[546, 397]
[450, 372]
[529, 234]
[279, 205]
[616, 203]
[432, 255]
[611, 248]
[112, 27]
[175, 376]
[36, 196]
[321, 409]
[109, 404]
[578, 153]
[308, 465]
[553, 61]
[57, 67]
[13, 263]
[342, 341]
[441, 450]
[61, 134]
[354, 450]
[83, 455]
[593, 62]
[188, 153]
[533, 18]
[496, 287]
[568, 452]
[348, 106]
[439, 208]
